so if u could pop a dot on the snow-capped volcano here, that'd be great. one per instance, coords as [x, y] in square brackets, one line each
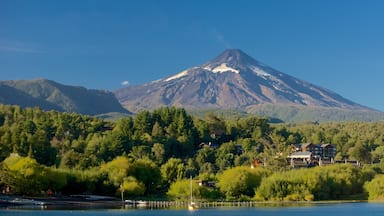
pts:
[233, 80]
[229, 61]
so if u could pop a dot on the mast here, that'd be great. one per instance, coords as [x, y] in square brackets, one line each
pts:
[191, 189]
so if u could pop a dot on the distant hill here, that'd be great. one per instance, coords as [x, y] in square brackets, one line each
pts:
[50, 95]
[236, 81]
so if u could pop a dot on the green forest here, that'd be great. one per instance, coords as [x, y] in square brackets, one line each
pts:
[154, 153]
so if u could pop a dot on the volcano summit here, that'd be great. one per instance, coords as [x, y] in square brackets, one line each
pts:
[233, 80]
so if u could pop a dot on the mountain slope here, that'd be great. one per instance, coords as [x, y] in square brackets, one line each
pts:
[49, 95]
[10, 95]
[233, 80]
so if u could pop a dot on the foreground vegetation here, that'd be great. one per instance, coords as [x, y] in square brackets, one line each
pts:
[155, 153]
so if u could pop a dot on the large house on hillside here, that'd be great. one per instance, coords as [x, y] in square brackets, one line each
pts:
[323, 151]
[310, 153]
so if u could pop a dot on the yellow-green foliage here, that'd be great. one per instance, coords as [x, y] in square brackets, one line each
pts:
[116, 169]
[25, 176]
[240, 181]
[172, 170]
[320, 183]
[133, 187]
[140, 174]
[375, 188]
[181, 190]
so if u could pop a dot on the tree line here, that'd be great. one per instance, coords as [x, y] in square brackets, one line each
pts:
[155, 152]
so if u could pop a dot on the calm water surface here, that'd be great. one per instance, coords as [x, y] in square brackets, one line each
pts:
[348, 209]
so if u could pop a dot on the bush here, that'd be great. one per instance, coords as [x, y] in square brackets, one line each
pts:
[320, 183]
[240, 181]
[375, 188]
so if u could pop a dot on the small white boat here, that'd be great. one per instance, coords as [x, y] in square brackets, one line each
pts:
[130, 203]
[192, 205]
[20, 201]
[142, 204]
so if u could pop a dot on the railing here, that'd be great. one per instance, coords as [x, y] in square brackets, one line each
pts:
[184, 204]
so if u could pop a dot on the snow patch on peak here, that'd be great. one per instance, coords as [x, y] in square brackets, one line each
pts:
[259, 71]
[222, 68]
[181, 74]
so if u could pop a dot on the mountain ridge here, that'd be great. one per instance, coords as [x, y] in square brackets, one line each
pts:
[50, 95]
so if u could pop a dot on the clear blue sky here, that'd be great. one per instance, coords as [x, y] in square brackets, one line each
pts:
[336, 44]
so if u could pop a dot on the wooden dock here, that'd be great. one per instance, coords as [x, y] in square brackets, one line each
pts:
[184, 204]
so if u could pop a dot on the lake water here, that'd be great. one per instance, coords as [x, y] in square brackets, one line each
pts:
[343, 209]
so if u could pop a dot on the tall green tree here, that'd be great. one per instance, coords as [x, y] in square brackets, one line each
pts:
[172, 170]
[361, 152]
[206, 156]
[158, 153]
[275, 152]
[117, 170]
[146, 171]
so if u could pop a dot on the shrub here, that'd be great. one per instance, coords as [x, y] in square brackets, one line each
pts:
[375, 188]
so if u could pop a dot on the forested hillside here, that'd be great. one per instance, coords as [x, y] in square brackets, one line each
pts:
[50, 95]
[154, 152]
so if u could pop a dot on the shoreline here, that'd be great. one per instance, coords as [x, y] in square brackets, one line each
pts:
[62, 201]
[86, 202]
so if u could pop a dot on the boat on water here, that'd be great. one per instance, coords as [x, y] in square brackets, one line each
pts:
[22, 201]
[141, 204]
[130, 203]
[136, 203]
[192, 205]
